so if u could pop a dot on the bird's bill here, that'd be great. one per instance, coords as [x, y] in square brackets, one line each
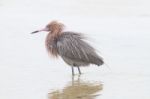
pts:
[45, 29]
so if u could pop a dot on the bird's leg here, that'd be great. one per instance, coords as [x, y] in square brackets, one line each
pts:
[72, 70]
[73, 81]
[79, 69]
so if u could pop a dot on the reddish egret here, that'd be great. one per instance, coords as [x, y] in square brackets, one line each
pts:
[70, 46]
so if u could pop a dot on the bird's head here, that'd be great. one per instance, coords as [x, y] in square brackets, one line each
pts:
[53, 27]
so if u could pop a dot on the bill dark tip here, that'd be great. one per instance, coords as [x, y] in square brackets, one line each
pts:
[34, 32]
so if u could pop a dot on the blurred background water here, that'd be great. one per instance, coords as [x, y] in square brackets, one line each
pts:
[118, 29]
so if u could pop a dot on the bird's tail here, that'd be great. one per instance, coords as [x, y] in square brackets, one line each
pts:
[97, 60]
[100, 62]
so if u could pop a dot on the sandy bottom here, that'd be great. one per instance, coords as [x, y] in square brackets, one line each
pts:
[26, 71]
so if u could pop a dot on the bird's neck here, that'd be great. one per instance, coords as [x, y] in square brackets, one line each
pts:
[53, 36]
[56, 33]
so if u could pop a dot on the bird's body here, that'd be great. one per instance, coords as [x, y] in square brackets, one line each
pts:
[71, 47]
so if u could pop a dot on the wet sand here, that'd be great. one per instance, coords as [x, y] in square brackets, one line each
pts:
[77, 89]
[118, 30]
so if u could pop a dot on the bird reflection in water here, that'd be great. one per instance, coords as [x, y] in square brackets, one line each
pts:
[78, 89]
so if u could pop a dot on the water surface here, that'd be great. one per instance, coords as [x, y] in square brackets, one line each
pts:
[119, 30]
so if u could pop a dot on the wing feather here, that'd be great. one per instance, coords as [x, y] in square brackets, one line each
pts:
[72, 46]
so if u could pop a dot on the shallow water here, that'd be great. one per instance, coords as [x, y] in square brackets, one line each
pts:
[77, 89]
[119, 30]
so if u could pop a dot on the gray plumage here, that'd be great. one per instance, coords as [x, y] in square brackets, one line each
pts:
[75, 51]
[70, 46]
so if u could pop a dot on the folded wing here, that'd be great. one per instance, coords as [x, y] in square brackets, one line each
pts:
[72, 46]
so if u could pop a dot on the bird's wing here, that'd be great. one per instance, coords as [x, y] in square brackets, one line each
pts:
[72, 46]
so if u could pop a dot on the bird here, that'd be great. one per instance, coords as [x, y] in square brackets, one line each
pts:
[70, 46]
